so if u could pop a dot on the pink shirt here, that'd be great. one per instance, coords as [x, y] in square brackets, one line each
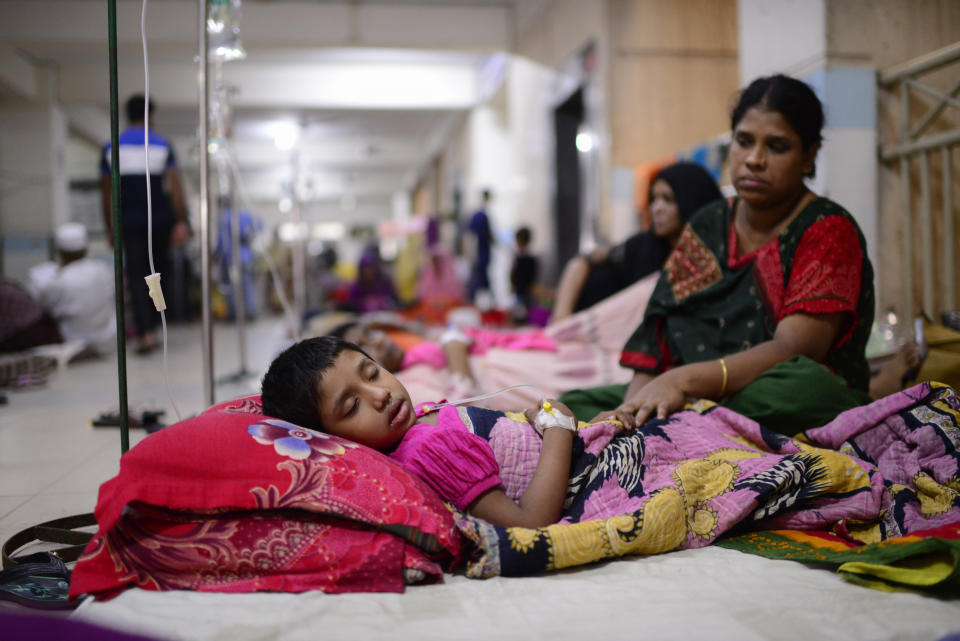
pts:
[457, 464]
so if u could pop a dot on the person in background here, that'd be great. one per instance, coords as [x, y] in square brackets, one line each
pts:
[463, 359]
[767, 300]
[373, 289]
[249, 228]
[482, 235]
[24, 323]
[327, 290]
[79, 292]
[439, 288]
[169, 212]
[523, 275]
[676, 193]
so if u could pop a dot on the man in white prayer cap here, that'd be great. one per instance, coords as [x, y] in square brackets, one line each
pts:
[79, 293]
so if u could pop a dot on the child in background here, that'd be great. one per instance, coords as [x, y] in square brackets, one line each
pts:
[523, 275]
[331, 385]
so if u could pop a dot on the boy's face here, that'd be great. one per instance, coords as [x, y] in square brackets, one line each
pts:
[361, 401]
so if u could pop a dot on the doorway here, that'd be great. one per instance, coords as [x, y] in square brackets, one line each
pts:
[566, 120]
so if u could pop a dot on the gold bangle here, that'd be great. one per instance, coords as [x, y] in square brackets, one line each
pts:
[723, 383]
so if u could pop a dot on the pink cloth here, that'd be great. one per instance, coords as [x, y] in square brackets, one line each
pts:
[430, 353]
[587, 354]
[456, 464]
[484, 339]
[438, 277]
[426, 352]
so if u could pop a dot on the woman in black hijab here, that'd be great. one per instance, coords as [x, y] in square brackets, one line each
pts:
[676, 193]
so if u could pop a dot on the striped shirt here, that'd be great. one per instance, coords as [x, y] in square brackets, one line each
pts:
[133, 169]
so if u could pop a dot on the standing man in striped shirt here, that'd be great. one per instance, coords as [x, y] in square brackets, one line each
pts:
[169, 212]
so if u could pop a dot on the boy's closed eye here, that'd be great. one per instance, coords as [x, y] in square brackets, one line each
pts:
[353, 408]
[372, 373]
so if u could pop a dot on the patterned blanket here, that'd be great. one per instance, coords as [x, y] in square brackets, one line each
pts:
[875, 472]
[926, 560]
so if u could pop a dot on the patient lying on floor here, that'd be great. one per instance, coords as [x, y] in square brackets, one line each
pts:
[672, 483]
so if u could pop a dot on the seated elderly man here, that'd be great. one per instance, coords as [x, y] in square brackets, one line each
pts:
[78, 292]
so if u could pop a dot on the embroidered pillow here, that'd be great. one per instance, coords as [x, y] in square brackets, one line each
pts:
[234, 501]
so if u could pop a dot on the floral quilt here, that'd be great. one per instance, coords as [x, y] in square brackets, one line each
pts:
[875, 472]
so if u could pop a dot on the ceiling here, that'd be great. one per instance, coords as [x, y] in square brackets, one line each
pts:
[373, 88]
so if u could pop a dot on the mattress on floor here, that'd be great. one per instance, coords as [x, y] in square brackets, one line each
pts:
[709, 593]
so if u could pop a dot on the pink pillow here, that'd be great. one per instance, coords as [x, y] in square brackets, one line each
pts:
[234, 501]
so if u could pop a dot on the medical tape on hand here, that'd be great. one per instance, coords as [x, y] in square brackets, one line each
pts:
[548, 417]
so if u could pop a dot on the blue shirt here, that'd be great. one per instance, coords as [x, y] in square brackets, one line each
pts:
[133, 171]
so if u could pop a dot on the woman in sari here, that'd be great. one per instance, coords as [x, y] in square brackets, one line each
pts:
[676, 193]
[767, 299]
[373, 290]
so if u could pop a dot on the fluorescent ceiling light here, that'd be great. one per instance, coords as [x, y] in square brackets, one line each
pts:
[328, 231]
[285, 135]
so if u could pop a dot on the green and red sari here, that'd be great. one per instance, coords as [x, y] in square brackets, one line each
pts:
[712, 301]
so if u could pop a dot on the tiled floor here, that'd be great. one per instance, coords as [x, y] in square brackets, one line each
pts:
[52, 461]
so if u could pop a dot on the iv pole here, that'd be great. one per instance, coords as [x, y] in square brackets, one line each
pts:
[117, 236]
[206, 337]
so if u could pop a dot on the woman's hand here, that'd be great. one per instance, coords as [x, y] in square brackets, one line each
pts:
[659, 398]
[646, 397]
[624, 412]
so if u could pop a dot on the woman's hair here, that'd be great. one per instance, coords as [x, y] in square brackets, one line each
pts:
[792, 98]
[692, 185]
[289, 388]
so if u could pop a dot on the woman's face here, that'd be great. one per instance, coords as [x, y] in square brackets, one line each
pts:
[664, 211]
[378, 344]
[767, 159]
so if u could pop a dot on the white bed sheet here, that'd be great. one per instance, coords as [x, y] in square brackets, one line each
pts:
[710, 593]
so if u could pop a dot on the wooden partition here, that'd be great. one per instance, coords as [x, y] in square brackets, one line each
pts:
[673, 74]
[921, 164]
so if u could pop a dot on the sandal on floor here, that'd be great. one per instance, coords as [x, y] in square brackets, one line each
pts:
[25, 370]
[40, 580]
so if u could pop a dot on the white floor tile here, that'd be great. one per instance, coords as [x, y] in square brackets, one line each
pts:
[9, 503]
[44, 507]
[29, 478]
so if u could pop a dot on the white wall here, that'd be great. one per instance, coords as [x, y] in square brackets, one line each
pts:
[83, 159]
[787, 36]
[34, 192]
[506, 145]
[532, 141]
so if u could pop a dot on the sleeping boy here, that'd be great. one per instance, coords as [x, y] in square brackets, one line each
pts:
[331, 385]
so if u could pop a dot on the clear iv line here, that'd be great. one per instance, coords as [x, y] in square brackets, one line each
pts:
[543, 397]
[153, 280]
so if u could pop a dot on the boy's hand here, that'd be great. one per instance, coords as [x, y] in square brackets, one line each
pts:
[560, 407]
[551, 414]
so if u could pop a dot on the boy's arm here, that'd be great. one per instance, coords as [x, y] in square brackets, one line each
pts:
[542, 502]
